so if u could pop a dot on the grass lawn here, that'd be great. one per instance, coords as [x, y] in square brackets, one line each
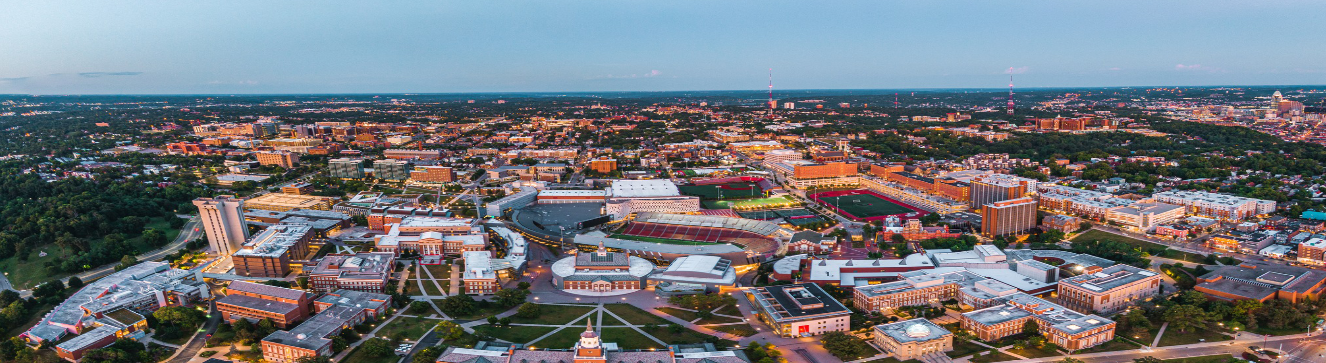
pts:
[554, 314]
[668, 241]
[729, 310]
[514, 334]
[717, 320]
[567, 337]
[359, 356]
[1219, 358]
[892, 360]
[744, 330]
[431, 289]
[446, 285]
[439, 271]
[1098, 235]
[482, 310]
[634, 315]
[28, 274]
[1030, 352]
[1266, 330]
[608, 320]
[1174, 337]
[1110, 346]
[679, 313]
[180, 340]
[686, 336]
[628, 338]
[410, 328]
[963, 348]
[996, 357]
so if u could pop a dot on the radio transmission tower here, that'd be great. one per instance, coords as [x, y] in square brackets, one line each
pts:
[1010, 95]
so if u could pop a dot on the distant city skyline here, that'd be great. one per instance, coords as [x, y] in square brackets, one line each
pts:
[249, 47]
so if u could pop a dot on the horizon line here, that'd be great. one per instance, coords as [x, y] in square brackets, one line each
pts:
[761, 91]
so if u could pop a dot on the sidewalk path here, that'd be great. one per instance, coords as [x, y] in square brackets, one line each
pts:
[1159, 334]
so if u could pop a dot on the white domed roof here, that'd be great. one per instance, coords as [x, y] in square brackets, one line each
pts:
[918, 331]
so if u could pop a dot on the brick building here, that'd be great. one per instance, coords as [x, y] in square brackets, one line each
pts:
[1110, 290]
[247, 300]
[274, 252]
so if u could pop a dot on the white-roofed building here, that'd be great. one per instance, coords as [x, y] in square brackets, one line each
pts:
[432, 236]
[805, 268]
[626, 197]
[479, 276]
[696, 272]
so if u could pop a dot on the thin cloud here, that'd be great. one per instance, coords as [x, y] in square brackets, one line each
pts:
[1196, 68]
[1016, 70]
[1115, 69]
[101, 74]
[13, 79]
[242, 83]
[651, 73]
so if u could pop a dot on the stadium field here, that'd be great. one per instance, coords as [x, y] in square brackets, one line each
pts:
[735, 190]
[747, 204]
[865, 205]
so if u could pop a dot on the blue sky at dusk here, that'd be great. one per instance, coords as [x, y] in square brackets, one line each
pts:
[155, 47]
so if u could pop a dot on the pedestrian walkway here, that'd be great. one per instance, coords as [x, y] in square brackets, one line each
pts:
[455, 281]
[1159, 334]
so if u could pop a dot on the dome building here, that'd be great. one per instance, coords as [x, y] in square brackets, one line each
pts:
[914, 339]
[601, 273]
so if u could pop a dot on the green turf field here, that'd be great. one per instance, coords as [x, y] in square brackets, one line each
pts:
[864, 205]
[776, 202]
[738, 190]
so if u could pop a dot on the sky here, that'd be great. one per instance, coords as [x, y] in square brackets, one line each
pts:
[403, 46]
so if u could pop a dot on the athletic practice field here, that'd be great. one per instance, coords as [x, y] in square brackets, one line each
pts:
[734, 190]
[866, 205]
[748, 204]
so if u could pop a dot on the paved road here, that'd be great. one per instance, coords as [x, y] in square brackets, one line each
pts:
[191, 348]
[188, 232]
[1199, 349]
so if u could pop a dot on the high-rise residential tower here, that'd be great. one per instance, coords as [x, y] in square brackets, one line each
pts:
[1008, 217]
[223, 221]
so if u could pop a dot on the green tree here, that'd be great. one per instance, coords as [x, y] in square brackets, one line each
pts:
[126, 262]
[458, 305]
[1185, 317]
[75, 282]
[1030, 328]
[528, 311]
[428, 355]
[376, 347]
[314, 359]
[153, 237]
[511, 297]
[845, 347]
[448, 330]
[418, 307]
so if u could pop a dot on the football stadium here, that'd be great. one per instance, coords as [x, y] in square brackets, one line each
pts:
[757, 236]
[865, 205]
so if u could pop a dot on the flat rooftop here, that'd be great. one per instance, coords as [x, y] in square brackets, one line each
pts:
[1110, 278]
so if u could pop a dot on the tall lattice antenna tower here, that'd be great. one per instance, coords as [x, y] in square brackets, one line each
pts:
[772, 105]
[1010, 95]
